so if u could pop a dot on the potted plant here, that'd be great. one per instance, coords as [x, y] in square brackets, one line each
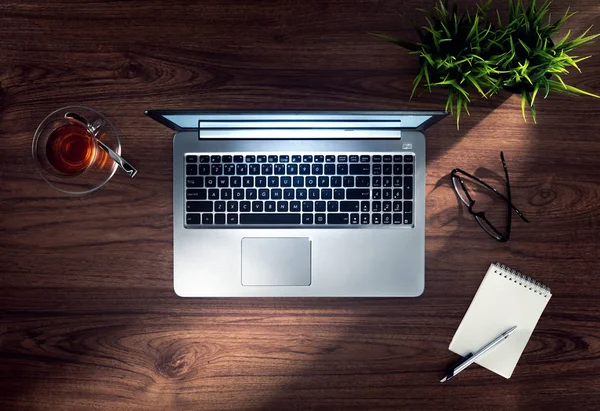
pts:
[528, 60]
[454, 53]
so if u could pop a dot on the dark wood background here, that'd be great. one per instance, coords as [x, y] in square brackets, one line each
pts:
[89, 319]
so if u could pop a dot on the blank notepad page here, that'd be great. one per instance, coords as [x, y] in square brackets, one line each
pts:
[504, 299]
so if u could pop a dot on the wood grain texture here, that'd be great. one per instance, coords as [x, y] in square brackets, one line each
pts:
[89, 319]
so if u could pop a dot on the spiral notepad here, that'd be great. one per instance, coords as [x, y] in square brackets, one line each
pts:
[504, 299]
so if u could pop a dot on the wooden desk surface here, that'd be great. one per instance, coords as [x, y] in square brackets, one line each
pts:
[89, 319]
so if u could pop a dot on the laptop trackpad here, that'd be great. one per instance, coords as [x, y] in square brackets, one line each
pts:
[275, 261]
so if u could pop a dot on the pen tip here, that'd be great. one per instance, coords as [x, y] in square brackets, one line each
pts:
[444, 379]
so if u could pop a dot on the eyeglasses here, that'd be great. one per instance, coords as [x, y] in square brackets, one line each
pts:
[458, 181]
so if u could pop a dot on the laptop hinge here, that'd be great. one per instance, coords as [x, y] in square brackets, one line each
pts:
[298, 134]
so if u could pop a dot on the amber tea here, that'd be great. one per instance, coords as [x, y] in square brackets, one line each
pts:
[71, 149]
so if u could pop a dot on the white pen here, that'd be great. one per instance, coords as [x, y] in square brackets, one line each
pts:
[471, 358]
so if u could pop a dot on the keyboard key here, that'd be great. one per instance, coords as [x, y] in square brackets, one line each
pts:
[210, 182]
[260, 181]
[326, 194]
[226, 194]
[360, 169]
[288, 194]
[238, 194]
[386, 181]
[198, 206]
[301, 194]
[207, 219]
[397, 181]
[223, 181]
[194, 182]
[329, 169]
[387, 194]
[397, 194]
[387, 206]
[307, 218]
[376, 206]
[408, 206]
[362, 181]
[376, 181]
[365, 159]
[229, 169]
[307, 159]
[408, 169]
[250, 159]
[285, 181]
[408, 219]
[319, 159]
[284, 159]
[272, 158]
[377, 159]
[353, 158]
[260, 159]
[336, 181]
[232, 206]
[357, 194]
[397, 206]
[253, 169]
[313, 193]
[311, 181]
[273, 181]
[219, 206]
[364, 218]
[349, 206]
[245, 206]
[270, 206]
[408, 188]
[387, 218]
[248, 181]
[295, 206]
[365, 206]
[271, 218]
[304, 169]
[387, 159]
[307, 206]
[320, 206]
[191, 169]
[342, 169]
[323, 181]
[191, 159]
[338, 194]
[192, 219]
[267, 169]
[257, 206]
[342, 158]
[408, 158]
[195, 194]
[320, 218]
[337, 219]
[279, 169]
[238, 159]
[354, 219]
[282, 206]
[376, 194]
[330, 159]
[219, 218]
[296, 159]
[263, 194]
[317, 169]
[349, 181]
[227, 159]
[292, 169]
[235, 181]
[205, 159]
[241, 169]
[397, 169]
[298, 181]
[376, 169]
[387, 169]
[204, 169]
[397, 158]
[276, 194]
[232, 218]
[376, 218]
[397, 218]
[213, 194]
[215, 159]
[332, 206]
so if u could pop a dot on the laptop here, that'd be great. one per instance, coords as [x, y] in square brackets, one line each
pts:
[298, 204]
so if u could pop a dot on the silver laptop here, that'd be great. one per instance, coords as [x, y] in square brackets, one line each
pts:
[298, 204]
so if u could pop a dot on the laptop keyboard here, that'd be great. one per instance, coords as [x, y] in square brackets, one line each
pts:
[292, 190]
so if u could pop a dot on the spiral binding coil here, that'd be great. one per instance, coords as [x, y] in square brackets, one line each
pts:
[522, 279]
